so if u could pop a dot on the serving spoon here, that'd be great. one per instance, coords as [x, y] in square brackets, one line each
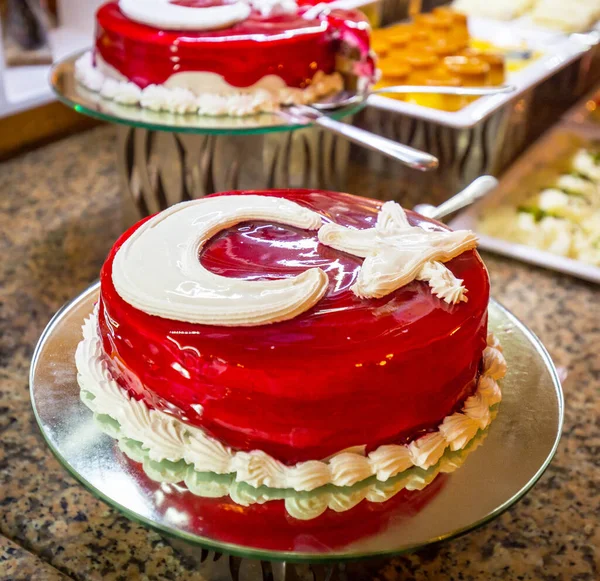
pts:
[409, 156]
[473, 192]
[346, 98]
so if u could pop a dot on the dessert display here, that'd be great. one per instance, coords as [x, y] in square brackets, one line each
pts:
[221, 57]
[496, 9]
[435, 49]
[562, 218]
[576, 16]
[312, 347]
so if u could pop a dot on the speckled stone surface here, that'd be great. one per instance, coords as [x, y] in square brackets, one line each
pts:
[17, 564]
[59, 213]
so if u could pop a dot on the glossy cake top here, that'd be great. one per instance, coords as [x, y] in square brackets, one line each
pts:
[260, 251]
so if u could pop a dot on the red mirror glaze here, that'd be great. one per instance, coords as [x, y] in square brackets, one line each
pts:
[348, 372]
[286, 45]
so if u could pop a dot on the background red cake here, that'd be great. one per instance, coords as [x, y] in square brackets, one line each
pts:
[250, 57]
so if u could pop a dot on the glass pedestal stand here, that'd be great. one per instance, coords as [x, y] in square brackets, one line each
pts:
[266, 542]
[159, 169]
[165, 158]
[215, 566]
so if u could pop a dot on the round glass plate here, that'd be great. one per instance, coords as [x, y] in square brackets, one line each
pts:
[75, 96]
[519, 446]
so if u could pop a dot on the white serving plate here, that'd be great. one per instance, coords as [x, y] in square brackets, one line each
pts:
[529, 172]
[468, 220]
[559, 51]
[527, 25]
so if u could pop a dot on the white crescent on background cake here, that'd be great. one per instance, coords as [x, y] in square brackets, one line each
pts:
[222, 57]
[313, 346]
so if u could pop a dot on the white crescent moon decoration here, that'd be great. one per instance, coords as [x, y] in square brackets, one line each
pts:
[165, 15]
[397, 253]
[158, 270]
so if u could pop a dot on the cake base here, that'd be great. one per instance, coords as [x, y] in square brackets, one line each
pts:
[229, 101]
[173, 452]
[519, 447]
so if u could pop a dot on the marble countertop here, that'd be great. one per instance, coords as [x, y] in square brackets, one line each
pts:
[59, 214]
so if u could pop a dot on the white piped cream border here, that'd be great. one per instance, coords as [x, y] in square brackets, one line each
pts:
[302, 505]
[166, 438]
[233, 103]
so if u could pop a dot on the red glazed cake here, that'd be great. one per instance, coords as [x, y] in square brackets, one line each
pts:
[222, 57]
[294, 339]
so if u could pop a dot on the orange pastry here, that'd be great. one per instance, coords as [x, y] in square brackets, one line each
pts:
[425, 20]
[396, 70]
[423, 34]
[434, 50]
[421, 60]
[381, 46]
[404, 27]
[460, 31]
[493, 59]
[472, 71]
[393, 72]
[441, 27]
[441, 77]
[399, 39]
[443, 47]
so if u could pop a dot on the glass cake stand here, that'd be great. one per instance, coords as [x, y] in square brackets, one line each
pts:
[75, 96]
[520, 444]
[165, 158]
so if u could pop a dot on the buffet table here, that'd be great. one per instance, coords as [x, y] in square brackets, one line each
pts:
[60, 211]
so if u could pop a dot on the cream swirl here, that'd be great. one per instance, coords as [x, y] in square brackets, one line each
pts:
[165, 15]
[427, 450]
[110, 88]
[390, 460]
[181, 101]
[272, 7]
[157, 269]
[155, 98]
[127, 94]
[478, 410]
[306, 506]
[87, 74]
[166, 438]
[458, 429]
[489, 390]
[257, 468]
[206, 454]
[494, 364]
[443, 283]
[397, 253]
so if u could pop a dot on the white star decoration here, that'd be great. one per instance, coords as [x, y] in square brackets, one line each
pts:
[397, 253]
